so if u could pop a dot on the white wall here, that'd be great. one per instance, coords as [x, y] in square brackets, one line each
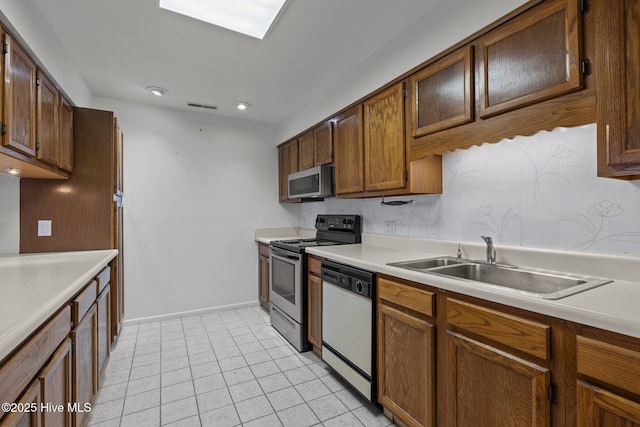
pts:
[540, 191]
[196, 188]
[9, 214]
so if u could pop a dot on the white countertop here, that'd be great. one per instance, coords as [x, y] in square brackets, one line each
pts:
[612, 307]
[33, 287]
[267, 235]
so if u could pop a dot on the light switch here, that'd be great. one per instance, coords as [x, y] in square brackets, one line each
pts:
[44, 227]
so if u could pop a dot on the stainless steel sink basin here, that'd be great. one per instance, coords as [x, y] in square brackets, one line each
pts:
[532, 282]
[429, 263]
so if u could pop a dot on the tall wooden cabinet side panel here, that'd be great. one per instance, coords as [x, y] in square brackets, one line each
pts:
[79, 222]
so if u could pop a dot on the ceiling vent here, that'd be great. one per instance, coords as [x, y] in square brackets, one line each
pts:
[203, 106]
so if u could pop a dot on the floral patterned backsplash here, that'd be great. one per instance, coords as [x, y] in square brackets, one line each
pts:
[539, 191]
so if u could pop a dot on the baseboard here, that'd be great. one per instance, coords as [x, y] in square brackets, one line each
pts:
[200, 311]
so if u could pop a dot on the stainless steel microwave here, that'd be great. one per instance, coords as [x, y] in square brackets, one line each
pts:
[314, 182]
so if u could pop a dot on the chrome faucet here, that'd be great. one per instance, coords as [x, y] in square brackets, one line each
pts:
[491, 251]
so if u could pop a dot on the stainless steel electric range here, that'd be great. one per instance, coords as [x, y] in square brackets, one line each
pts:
[288, 281]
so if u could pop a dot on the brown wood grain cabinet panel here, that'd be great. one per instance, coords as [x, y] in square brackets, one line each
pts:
[618, 68]
[489, 387]
[384, 140]
[535, 56]
[85, 363]
[406, 373]
[55, 382]
[521, 334]
[305, 151]
[314, 314]
[65, 140]
[413, 298]
[19, 99]
[287, 164]
[26, 419]
[103, 306]
[83, 302]
[442, 94]
[263, 275]
[612, 364]
[323, 143]
[601, 408]
[315, 265]
[349, 151]
[18, 371]
[47, 121]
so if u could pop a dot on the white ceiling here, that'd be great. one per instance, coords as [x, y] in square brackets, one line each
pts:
[122, 46]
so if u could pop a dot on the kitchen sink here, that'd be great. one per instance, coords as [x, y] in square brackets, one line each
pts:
[533, 282]
[429, 263]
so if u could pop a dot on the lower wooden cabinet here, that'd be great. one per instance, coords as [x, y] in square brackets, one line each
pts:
[85, 362]
[31, 418]
[55, 385]
[103, 305]
[263, 275]
[406, 352]
[314, 302]
[608, 389]
[489, 387]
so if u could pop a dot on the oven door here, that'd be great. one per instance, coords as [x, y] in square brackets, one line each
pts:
[286, 282]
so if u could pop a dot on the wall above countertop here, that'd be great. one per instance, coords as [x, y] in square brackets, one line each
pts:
[539, 191]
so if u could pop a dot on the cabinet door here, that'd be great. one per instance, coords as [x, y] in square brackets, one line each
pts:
[104, 328]
[263, 275]
[47, 120]
[601, 408]
[19, 99]
[384, 140]
[406, 366]
[32, 398]
[65, 141]
[533, 57]
[518, 389]
[618, 70]
[442, 94]
[55, 383]
[315, 310]
[323, 144]
[349, 154]
[85, 362]
[305, 151]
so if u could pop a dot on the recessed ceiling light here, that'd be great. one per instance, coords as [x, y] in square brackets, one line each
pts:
[250, 17]
[157, 91]
[13, 171]
[241, 105]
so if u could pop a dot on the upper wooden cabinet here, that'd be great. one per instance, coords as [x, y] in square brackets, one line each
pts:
[442, 94]
[305, 151]
[349, 153]
[533, 57]
[323, 143]
[47, 121]
[65, 141]
[618, 70]
[19, 116]
[384, 140]
[287, 164]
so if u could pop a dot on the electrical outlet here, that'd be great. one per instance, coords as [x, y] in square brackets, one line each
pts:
[391, 227]
[44, 227]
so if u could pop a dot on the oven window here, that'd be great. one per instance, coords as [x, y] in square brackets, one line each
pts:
[283, 279]
[306, 185]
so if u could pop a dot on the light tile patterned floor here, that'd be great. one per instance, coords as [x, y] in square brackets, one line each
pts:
[226, 368]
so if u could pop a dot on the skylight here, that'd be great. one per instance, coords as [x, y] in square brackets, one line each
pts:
[250, 17]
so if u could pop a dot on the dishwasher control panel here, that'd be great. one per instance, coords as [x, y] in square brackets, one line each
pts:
[350, 278]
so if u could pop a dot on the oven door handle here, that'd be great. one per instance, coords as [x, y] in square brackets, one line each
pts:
[283, 254]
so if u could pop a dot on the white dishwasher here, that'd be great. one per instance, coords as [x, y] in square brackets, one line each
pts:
[348, 325]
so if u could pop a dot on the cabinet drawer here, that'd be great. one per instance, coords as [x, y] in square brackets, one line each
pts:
[20, 369]
[610, 363]
[315, 265]
[415, 299]
[521, 334]
[83, 302]
[103, 279]
[263, 249]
